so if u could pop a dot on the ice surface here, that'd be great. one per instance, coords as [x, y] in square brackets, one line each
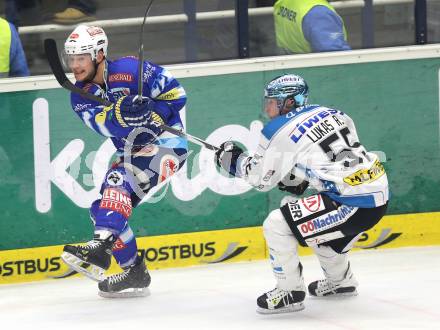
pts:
[399, 289]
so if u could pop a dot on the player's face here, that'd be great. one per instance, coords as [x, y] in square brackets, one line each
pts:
[82, 66]
[271, 107]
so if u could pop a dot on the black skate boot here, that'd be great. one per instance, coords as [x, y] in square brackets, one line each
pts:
[92, 258]
[327, 288]
[132, 282]
[280, 301]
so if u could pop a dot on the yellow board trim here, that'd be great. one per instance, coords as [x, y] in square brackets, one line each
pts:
[242, 244]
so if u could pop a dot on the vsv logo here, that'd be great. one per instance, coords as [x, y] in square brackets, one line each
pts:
[63, 170]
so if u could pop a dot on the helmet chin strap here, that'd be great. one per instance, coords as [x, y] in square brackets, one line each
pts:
[283, 105]
[95, 66]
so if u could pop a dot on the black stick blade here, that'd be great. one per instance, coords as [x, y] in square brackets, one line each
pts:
[50, 48]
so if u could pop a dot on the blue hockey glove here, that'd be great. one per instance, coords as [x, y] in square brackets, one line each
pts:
[227, 157]
[132, 112]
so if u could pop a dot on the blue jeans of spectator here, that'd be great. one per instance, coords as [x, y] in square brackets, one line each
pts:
[86, 6]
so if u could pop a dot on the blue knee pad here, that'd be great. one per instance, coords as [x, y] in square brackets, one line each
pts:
[107, 219]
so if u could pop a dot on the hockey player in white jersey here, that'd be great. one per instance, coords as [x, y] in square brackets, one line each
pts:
[310, 146]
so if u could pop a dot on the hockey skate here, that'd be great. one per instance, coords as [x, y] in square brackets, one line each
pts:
[92, 258]
[327, 288]
[132, 282]
[280, 301]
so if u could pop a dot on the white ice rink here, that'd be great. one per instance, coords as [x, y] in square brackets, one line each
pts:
[399, 289]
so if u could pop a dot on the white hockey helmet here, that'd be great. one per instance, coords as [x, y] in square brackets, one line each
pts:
[288, 86]
[86, 40]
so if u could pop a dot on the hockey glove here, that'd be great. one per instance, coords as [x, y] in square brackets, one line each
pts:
[132, 112]
[293, 189]
[227, 157]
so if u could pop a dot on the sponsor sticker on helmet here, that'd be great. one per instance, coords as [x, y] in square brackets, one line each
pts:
[93, 31]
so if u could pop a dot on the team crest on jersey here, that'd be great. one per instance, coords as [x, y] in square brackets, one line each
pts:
[114, 178]
[119, 92]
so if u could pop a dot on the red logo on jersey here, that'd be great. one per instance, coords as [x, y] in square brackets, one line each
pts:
[115, 200]
[118, 245]
[120, 77]
[74, 36]
[312, 203]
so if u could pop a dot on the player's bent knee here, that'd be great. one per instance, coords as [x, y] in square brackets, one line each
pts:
[112, 210]
[326, 254]
[275, 223]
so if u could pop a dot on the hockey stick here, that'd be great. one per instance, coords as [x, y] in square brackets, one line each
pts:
[141, 53]
[50, 48]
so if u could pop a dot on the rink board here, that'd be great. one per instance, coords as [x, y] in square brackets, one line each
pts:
[243, 244]
[53, 169]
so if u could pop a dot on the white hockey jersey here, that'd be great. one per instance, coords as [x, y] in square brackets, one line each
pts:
[320, 145]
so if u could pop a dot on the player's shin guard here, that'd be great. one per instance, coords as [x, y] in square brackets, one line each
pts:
[339, 279]
[289, 294]
[132, 282]
[92, 258]
[125, 248]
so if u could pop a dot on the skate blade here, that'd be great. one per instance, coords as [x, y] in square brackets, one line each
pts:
[337, 295]
[93, 272]
[129, 293]
[289, 309]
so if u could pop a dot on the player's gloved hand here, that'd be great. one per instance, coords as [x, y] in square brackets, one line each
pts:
[227, 157]
[297, 189]
[130, 111]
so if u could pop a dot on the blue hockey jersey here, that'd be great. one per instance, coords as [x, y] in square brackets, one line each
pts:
[121, 78]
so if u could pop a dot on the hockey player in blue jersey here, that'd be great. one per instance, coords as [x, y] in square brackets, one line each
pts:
[146, 156]
[310, 145]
